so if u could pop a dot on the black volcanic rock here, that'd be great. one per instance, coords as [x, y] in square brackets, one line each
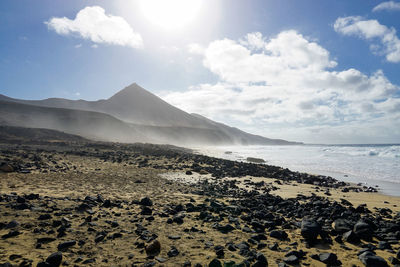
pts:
[369, 259]
[310, 229]
[55, 259]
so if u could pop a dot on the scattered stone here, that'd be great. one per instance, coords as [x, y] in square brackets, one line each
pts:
[160, 259]
[310, 230]
[146, 211]
[4, 167]
[174, 237]
[278, 234]
[173, 252]
[12, 224]
[215, 263]
[369, 259]
[55, 259]
[328, 258]
[11, 234]
[146, 202]
[351, 237]
[99, 238]
[66, 245]
[153, 249]
[363, 230]
[341, 226]
[292, 259]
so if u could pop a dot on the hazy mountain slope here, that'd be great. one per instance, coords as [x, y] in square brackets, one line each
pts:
[100, 126]
[12, 134]
[89, 124]
[150, 118]
[240, 137]
[185, 135]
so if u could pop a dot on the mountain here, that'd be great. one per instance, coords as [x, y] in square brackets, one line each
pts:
[133, 104]
[131, 115]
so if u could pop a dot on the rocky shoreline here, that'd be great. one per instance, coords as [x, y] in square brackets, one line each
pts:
[109, 204]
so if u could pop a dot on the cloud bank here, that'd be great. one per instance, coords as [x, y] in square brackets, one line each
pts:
[92, 23]
[287, 85]
[388, 42]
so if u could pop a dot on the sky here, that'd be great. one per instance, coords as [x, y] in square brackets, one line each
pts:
[311, 71]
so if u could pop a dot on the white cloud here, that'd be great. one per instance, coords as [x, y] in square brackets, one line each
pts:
[389, 43]
[92, 23]
[389, 5]
[286, 82]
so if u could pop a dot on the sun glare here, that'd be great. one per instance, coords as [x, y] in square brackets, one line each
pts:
[170, 14]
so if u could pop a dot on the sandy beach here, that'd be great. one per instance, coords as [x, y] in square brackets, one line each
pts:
[107, 204]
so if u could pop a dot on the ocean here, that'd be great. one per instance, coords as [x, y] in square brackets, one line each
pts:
[372, 165]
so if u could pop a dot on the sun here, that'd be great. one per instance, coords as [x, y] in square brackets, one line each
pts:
[170, 14]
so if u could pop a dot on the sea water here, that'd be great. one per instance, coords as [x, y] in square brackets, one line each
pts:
[372, 165]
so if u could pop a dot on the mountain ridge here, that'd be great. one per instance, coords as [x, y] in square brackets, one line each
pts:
[145, 114]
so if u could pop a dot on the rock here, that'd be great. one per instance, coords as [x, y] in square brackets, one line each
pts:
[363, 230]
[43, 217]
[107, 203]
[215, 263]
[99, 238]
[261, 259]
[341, 226]
[173, 252]
[160, 259]
[278, 234]
[328, 258]
[45, 240]
[4, 167]
[189, 173]
[292, 259]
[394, 261]
[225, 229]
[12, 224]
[219, 251]
[351, 237]
[178, 219]
[258, 264]
[369, 259]
[54, 259]
[89, 261]
[153, 249]
[384, 245]
[274, 247]
[310, 229]
[146, 211]
[11, 234]
[67, 244]
[146, 202]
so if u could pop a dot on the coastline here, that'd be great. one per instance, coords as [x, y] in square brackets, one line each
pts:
[388, 188]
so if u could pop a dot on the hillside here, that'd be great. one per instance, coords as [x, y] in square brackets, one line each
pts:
[131, 115]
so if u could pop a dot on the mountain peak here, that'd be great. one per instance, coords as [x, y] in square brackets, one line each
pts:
[134, 88]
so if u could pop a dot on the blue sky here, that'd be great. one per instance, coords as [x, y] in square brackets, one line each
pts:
[314, 71]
